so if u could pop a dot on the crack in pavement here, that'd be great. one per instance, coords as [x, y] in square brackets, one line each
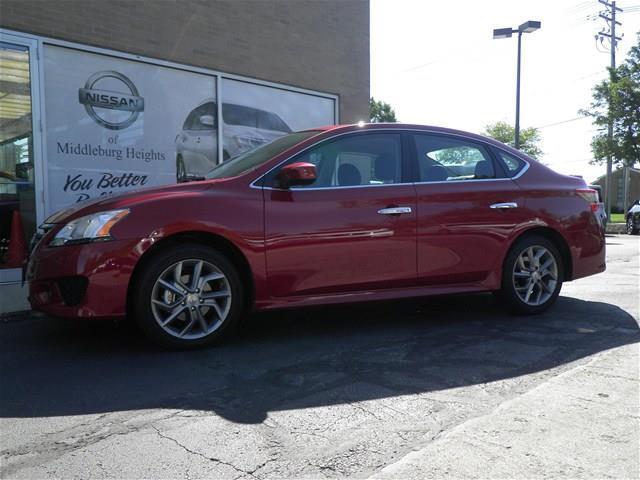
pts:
[201, 455]
[58, 443]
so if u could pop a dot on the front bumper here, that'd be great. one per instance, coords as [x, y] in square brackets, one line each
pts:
[83, 281]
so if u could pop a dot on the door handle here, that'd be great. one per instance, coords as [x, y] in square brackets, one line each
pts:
[504, 205]
[394, 210]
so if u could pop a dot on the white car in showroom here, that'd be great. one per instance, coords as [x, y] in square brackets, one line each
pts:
[244, 128]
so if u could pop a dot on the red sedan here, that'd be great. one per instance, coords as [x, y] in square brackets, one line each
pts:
[326, 216]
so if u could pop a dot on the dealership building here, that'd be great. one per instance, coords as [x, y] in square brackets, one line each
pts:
[99, 96]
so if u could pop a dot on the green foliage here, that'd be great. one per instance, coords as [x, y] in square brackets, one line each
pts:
[505, 133]
[617, 99]
[380, 111]
[457, 156]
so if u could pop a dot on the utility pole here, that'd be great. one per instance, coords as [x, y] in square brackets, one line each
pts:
[610, 17]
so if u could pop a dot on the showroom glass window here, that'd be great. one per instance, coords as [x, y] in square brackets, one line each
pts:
[17, 199]
[354, 160]
[253, 115]
[442, 158]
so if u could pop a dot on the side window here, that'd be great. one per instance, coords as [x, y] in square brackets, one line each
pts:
[355, 160]
[188, 123]
[442, 159]
[512, 165]
[206, 109]
[211, 108]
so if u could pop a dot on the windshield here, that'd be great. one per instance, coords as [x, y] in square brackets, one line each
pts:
[254, 158]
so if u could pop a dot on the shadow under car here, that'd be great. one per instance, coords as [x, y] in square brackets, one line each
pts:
[299, 358]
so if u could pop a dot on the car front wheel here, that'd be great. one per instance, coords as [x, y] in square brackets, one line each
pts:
[532, 275]
[181, 171]
[631, 229]
[187, 297]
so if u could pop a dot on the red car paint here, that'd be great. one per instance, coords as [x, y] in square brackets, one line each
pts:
[327, 246]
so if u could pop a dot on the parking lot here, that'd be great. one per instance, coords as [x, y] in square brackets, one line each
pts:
[423, 388]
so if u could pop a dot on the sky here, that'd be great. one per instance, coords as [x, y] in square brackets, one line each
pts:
[436, 63]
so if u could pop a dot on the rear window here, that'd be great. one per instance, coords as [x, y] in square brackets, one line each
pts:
[512, 164]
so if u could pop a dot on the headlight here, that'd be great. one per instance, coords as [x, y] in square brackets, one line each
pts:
[90, 228]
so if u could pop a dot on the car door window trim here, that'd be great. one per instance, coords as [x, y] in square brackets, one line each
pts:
[254, 184]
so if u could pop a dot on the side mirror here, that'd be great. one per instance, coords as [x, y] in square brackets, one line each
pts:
[207, 120]
[298, 173]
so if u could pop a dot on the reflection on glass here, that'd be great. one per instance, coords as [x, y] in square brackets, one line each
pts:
[17, 200]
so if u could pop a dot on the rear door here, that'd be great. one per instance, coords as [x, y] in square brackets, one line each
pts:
[353, 229]
[206, 139]
[468, 209]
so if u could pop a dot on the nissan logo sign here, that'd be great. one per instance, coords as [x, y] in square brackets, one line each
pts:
[127, 100]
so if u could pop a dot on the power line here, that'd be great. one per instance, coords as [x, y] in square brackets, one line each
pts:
[562, 122]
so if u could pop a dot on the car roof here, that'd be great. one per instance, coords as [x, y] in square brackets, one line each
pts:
[213, 100]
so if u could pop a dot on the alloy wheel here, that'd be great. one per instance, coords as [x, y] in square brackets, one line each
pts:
[630, 226]
[191, 299]
[535, 275]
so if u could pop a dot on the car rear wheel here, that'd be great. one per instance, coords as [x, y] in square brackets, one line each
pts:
[187, 297]
[631, 229]
[532, 275]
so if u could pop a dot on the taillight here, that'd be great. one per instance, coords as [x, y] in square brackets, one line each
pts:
[590, 196]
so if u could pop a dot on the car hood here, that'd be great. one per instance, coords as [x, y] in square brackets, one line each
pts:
[128, 199]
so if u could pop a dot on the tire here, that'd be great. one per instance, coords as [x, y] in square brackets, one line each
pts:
[517, 286]
[631, 229]
[188, 307]
[181, 171]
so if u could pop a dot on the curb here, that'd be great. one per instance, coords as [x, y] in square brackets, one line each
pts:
[616, 228]
[21, 315]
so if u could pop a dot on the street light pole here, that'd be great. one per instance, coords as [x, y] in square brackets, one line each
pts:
[527, 27]
[517, 133]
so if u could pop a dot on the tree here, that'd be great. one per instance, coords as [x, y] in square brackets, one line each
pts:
[617, 99]
[380, 111]
[505, 133]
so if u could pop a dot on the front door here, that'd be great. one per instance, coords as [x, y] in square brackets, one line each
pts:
[198, 140]
[343, 233]
[467, 210]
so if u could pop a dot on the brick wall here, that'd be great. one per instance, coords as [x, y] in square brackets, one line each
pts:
[316, 44]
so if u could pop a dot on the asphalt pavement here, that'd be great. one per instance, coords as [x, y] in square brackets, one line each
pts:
[430, 388]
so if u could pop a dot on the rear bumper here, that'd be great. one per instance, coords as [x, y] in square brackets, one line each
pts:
[83, 281]
[588, 250]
